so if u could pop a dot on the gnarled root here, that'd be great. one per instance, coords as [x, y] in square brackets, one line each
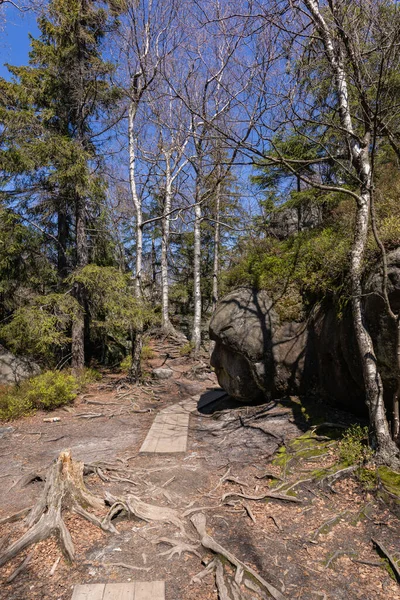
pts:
[64, 488]
[133, 506]
[199, 522]
[177, 548]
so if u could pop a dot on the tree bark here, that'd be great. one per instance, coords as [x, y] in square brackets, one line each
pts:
[62, 236]
[137, 335]
[82, 257]
[216, 247]
[165, 226]
[196, 334]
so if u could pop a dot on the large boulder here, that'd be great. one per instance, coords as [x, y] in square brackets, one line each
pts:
[14, 369]
[254, 354]
[257, 356]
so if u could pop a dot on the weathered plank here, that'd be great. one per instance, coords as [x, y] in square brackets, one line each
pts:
[150, 590]
[119, 591]
[139, 590]
[168, 432]
[93, 591]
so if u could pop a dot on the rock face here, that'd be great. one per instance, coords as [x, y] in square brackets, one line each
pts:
[14, 369]
[289, 220]
[257, 356]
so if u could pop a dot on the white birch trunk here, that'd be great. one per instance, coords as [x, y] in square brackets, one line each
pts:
[196, 334]
[135, 199]
[386, 448]
[137, 336]
[165, 322]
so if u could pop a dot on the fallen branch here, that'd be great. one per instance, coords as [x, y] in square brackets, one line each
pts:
[199, 522]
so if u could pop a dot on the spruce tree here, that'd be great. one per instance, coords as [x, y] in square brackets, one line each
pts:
[51, 110]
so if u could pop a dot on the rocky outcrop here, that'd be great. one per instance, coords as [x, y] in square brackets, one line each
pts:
[14, 369]
[288, 221]
[256, 356]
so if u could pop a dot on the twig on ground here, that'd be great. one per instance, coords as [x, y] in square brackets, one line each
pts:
[55, 565]
[124, 566]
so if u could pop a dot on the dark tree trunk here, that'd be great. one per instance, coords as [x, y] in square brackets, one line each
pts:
[62, 237]
[78, 326]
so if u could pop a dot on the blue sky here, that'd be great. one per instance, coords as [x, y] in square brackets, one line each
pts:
[14, 40]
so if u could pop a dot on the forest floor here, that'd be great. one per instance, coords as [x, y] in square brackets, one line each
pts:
[317, 548]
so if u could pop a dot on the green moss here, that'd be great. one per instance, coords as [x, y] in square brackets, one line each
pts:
[390, 481]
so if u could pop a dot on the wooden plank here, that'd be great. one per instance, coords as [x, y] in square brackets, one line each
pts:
[119, 591]
[92, 591]
[174, 434]
[150, 590]
[168, 433]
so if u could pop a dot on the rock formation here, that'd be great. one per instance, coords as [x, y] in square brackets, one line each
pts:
[256, 355]
[14, 369]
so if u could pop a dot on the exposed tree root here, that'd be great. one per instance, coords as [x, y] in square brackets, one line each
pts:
[64, 488]
[16, 516]
[277, 496]
[394, 563]
[199, 522]
[20, 568]
[133, 506]
[177, 548]
[331, 478]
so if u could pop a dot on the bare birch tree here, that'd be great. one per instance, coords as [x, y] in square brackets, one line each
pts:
[146, 34]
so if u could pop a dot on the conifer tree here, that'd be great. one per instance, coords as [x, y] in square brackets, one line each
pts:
[59, 97]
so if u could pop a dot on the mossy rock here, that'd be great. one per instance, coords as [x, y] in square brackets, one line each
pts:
[390, 482]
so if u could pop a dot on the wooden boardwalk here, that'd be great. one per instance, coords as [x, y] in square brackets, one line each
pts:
[169, 431]
[138, 590]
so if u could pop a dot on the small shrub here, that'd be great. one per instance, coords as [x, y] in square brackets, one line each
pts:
[46, 391]
[126, 363]
[186, 349]
[88, 376]
[50, 389]
[147, 353]
[354, 448]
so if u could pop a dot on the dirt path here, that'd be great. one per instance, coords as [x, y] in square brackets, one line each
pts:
[308, 550]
